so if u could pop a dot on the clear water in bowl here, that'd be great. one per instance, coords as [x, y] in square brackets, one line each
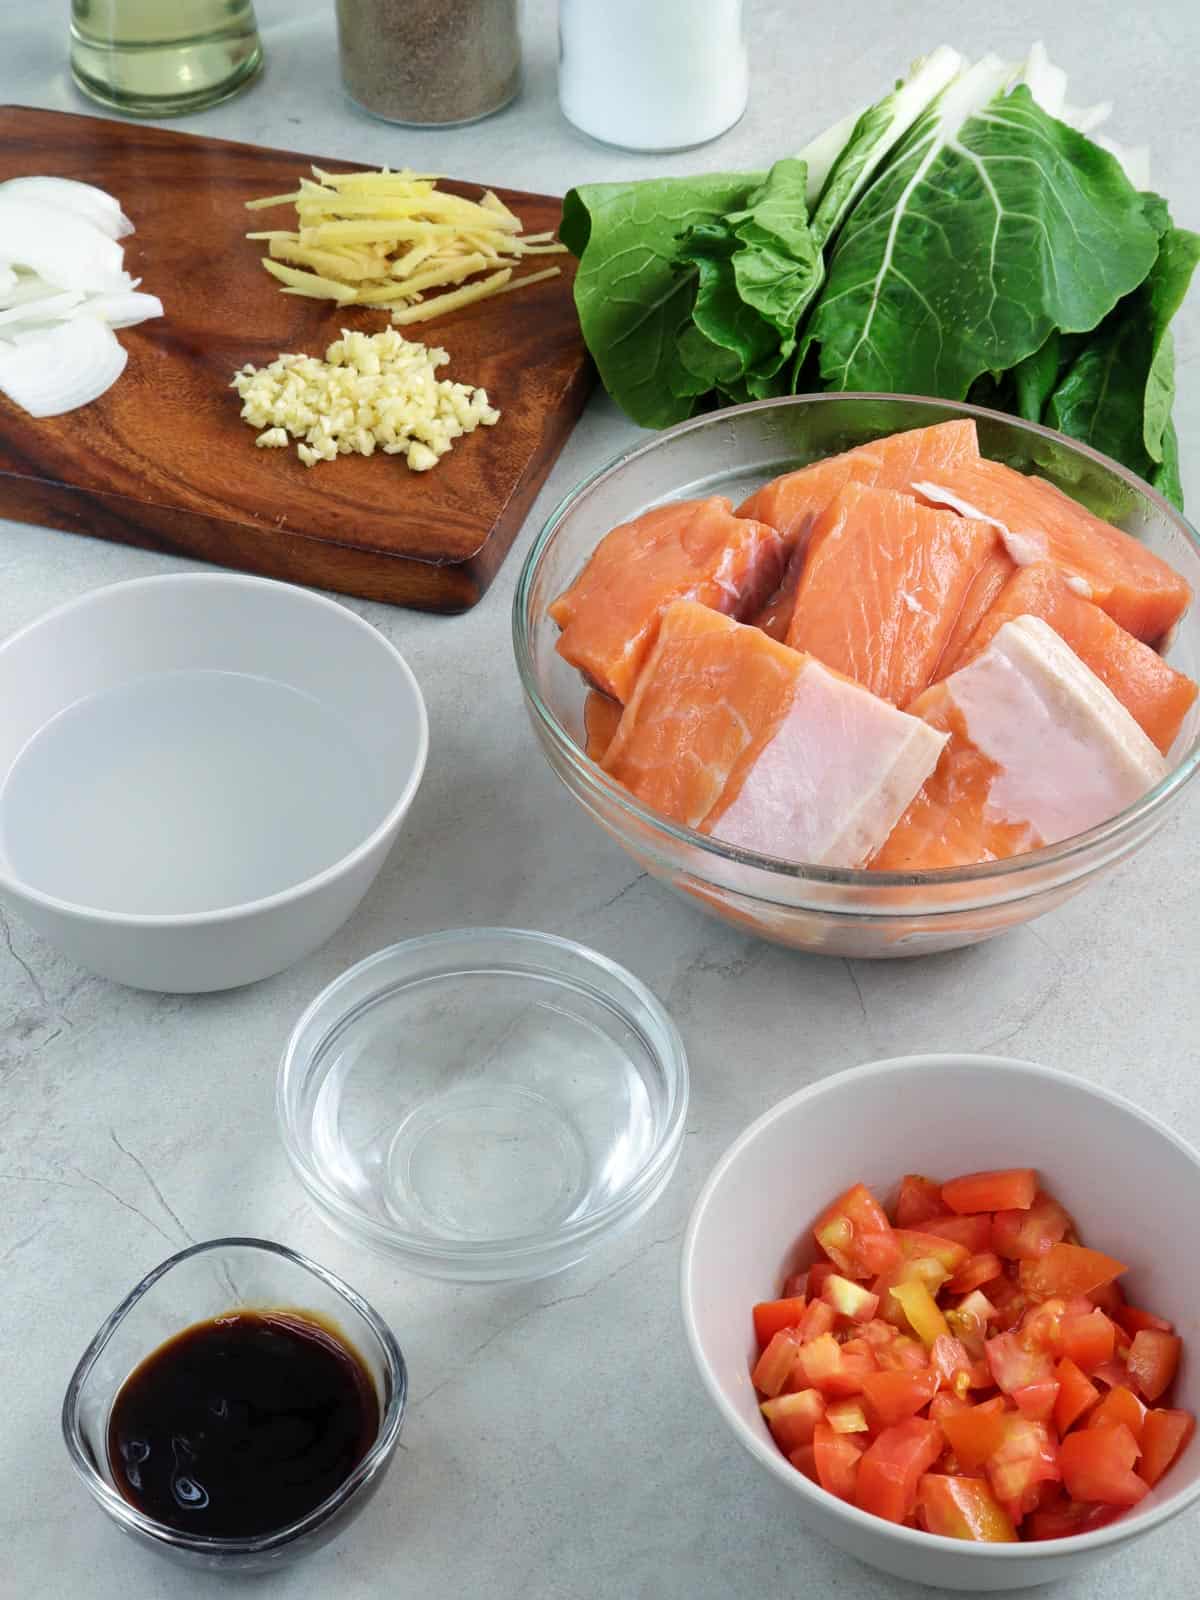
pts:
[484, 1110]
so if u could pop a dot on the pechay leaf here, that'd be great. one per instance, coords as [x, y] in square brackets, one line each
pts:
[1165, 476]
[633, 292]
[778, 264]
[1164, 292]
[992, 226]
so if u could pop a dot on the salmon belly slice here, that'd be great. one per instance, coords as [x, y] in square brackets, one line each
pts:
[1155, 695]
[733, 733]
[691, 549]
[884, 582]
[1040, 523]
[1039, 750]
[601, 717]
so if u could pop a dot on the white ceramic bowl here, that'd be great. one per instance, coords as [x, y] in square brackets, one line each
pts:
[200, 775]
[1133, 1187]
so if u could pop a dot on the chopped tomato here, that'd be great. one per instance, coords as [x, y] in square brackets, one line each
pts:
[819, 1318]
[1109, 1297]
[977, 1433]
[805, 1460]
[856, 1235]
[1008, 1301]
[816, 1276]
[916, 1246]
[846, 1416]
[1133, 1319]
[849, 1299]
[792, 1418]
[1060, 1517]
[945, 1404]
[970, 1321]
[1025, 1235]
[837, 1370]
[1042, 1325]
[877, 1332]
[963, 1508]
[1075, 1394]
[890, 1472]
[1089, 1341]
[950, 1361]
[776, 1362]
[1027, 1456]
[837, 1458]
[1152, 1360]
[921, 1310]
[1113, 1375]
[1164, 1435]
[1037, 1400]
[902, 1355]
[919, 1199]
[1123, 1406]
[771, 1316]
[891, 1397]
[974, 1233]
[976, 1271]
[1011, 1190]
[1097, 1464]
[1068, 1269]
[1014, 1365]
[922, 1269]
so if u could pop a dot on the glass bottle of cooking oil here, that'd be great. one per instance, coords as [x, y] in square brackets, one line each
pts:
[162, 58]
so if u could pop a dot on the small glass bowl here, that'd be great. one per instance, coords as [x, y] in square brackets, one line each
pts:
[197, 1284]
[485, 1104]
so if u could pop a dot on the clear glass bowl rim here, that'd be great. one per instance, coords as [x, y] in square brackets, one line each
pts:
[668, 1051]
[137, 1521]
[595, 780]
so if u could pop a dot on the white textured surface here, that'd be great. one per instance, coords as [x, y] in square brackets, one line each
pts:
[558, 1443]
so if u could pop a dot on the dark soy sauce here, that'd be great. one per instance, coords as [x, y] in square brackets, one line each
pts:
[242, 1425]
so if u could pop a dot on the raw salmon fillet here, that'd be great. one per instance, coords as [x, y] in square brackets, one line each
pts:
[884, 581]
[689, 550]
[1039, 750]
[1155, 695]
[600, 718]
[793, 502]
[1040, 523]
[733, 733]
[982, 593]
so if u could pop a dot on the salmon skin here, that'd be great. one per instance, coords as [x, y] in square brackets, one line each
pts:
[690, 549]
[1039, 523]
[1039, 750]
[1155, 695]
[735, 734]
[884, 581]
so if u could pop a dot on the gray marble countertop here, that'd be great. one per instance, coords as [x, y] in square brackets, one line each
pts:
[557, 1442]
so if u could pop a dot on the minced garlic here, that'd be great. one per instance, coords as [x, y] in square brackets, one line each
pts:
[372, 391]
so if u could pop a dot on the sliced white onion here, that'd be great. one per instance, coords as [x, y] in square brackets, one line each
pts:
[80, 199]
[45, 308]
[65, 250]
[66, 367]
[122, 310]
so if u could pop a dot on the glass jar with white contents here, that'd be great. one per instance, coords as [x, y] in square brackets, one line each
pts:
[653, 75]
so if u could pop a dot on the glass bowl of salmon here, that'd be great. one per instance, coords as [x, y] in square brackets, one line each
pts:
[866, 675]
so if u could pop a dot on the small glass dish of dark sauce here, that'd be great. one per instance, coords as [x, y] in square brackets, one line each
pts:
[238, 1408]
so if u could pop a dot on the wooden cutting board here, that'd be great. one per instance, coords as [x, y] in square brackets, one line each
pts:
[163, 460]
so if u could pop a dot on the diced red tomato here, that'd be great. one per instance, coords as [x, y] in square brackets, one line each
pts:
[1120, 1405]
[1067, 1269]
[837, 1458]
[1113, 1375]
[1109, 1297]
[922, 1311]
[963, 1508]
[1014, 1365]
[1042, 1325]
[902, 1354]
[892, 1397]
[856, 1235]
[775, 1363]
[816, 1276]
[1026, 1235]
[975, 1272]
[1089, 1341]
[945, 1404]
[1037, 1400]
[1097, 1464]
[950, 1361]
[1008, 1302]
[837, 1370]
[974, 1233]
[772, 1316]
[1059, 1517]
[849, 1299]
[846, 1416]
[977, 1433]
[877, 1332]
[1164, 1435]
[804, 1460]
[1013, 1189]
[1133, 1319]
[919, 1199]
[792, 1418]
[1027, 1456]
[890, 1472]
[819, 1318]
[1076, 1393]
[795, 1286]
[1152, 1360]
[922, 1269]
[915, 1246]
[970, 1321]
